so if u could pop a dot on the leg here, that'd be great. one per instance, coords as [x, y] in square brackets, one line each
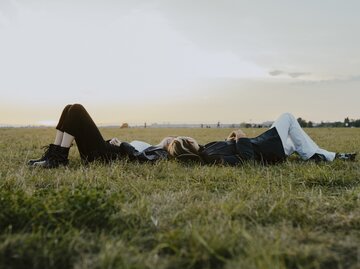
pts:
[60, 126]
[57, 148]
[294, 138]
[58, 137]
[79, 125]
[76, 123]
[67, 140]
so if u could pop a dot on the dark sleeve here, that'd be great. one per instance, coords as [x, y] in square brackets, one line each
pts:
[220, 152]
[128, 150]
[244, 149]
[124, 150]
[151, 154]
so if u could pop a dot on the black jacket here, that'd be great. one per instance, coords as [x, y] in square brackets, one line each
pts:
[266, 148]
[127, 150]
[151, 154]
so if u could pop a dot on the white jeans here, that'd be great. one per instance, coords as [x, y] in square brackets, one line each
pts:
[294, 139]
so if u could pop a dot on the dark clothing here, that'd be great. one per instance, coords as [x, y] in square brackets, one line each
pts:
[266, 148]
[76, 121]
[152, 153]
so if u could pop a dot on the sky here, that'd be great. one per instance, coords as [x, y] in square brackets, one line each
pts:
[181, 61]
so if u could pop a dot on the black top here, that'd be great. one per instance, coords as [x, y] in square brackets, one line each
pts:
[266, 148]
[125, 149]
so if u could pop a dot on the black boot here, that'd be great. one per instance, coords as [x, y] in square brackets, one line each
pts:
[49, 151]
[56, 158]
[346, 156]
[318, 158]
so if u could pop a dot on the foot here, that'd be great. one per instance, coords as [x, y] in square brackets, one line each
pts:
[56, 158]
[317, 157]
[48, 151]
[51, 163]
[346, 156]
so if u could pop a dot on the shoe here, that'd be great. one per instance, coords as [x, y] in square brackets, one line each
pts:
[55, 159]
[48, 151]
[317, 158]
[346, 156]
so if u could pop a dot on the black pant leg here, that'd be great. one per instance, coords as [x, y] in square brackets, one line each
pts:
[78, 123]
[64, 115]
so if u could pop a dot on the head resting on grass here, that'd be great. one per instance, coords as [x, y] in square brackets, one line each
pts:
[183, 145]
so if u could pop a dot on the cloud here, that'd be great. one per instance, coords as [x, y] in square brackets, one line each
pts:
[353, 78]
[332, 81]
[298, 74]
[8, 10]
[275, 73]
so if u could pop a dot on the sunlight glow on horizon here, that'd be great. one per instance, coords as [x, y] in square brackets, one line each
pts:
[157, 61]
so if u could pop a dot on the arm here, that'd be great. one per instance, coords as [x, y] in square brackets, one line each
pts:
[235, 135]
[115, 141]
[245, 149]
[122, 148]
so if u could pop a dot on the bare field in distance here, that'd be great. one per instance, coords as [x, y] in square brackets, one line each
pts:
[170, 215]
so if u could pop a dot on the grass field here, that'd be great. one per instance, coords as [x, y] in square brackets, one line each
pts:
[170, 215]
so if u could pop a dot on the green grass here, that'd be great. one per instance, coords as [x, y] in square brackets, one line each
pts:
[170, 215]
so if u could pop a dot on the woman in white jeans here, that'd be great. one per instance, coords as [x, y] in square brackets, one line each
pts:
[273, 146]
[294, 139]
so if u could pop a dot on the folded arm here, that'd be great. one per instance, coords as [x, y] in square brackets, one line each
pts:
[235, 135]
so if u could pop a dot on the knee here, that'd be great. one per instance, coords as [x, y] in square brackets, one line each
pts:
[288, 116]
[76, 109]
[77, 106]
[67, 108]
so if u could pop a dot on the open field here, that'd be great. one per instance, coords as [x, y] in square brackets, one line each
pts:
[170, 215]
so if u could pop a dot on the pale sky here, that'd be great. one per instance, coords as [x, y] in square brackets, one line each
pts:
[179, 61]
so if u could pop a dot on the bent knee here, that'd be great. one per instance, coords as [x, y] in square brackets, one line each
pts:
[67, 108]
[76, 109]
[288, 115]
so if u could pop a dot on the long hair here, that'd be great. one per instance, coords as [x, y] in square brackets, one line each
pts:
[183, 145]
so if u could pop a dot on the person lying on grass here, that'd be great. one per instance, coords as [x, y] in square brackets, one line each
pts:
[76, 124]
[284, 138]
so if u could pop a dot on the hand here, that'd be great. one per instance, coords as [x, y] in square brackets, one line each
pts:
[115, 141]
[235, 135]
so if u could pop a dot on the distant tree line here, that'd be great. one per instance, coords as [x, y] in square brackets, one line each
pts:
[303, 123]
[346, 123]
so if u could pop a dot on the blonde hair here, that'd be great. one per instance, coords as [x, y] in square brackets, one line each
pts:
[183, 145]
